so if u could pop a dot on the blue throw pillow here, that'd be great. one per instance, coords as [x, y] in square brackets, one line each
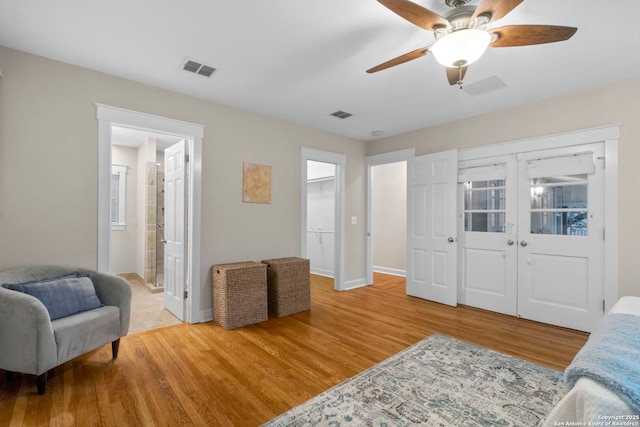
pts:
[62, 296]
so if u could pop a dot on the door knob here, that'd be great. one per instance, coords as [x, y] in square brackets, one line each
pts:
[523, 243]
[163, 241]
[509, 242]
[450, 240]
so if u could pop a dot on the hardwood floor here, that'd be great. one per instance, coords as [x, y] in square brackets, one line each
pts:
[203, 375]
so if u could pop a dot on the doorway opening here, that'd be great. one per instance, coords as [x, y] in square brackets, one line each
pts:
[386, 188]
[321, 201]
[137, 213]
[136, 244]
[389, 218]
[188, 281]
[322, 213]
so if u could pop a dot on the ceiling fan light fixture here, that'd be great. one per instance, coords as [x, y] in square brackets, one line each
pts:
[461, 48]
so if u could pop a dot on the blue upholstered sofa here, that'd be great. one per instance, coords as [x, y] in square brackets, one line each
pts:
[89, 308]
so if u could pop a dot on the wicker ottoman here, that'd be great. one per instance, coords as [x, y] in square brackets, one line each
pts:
[239, 294]
[288, 284]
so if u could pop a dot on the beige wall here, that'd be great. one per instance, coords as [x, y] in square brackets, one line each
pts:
[610, 104]
[48, 169]
[389, 216]
[48, 164]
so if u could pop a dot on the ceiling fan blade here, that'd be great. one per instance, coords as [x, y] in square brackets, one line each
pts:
[496, 8]
[416, 14]
[414, 54]
[455, 75]
[525, 35]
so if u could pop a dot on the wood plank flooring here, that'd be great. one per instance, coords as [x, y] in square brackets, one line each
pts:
[202, 375]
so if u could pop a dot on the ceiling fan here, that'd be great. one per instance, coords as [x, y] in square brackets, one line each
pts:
[461, 34]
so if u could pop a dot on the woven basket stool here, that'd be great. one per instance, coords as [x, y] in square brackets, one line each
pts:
[239, 294]
[288, 285]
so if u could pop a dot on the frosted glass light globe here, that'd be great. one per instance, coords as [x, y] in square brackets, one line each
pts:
[461, 48]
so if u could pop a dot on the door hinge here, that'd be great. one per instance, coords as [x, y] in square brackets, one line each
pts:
[186, 158]
[603, 306]
[604, 234]
[186, 294]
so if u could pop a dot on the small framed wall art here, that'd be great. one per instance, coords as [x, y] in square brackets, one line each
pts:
[256, 184]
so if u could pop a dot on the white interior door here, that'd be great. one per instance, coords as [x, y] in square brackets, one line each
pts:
[487, 271]
[561, 237]
[175, 249]
[431, 227]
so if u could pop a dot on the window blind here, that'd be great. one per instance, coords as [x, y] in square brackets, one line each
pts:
[483, 173]
[573, 164]
[115, 198]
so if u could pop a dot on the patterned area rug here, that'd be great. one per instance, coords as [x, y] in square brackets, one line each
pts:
[438, 381]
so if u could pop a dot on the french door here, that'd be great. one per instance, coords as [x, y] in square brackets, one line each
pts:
[531, 235]
[487, 226]
[561, 238]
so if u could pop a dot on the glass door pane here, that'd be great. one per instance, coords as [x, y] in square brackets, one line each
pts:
[484, 206]
[559, 205]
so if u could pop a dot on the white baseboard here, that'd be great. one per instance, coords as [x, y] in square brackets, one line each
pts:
[321, 272]
[353, 284]
[206, 315]
[391, 271]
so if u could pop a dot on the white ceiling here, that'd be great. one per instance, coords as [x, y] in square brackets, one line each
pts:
[303, 60]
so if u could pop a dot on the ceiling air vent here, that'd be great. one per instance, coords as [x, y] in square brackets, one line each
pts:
[484, 86]
[198, 68]
[206, 71]
[341, 114]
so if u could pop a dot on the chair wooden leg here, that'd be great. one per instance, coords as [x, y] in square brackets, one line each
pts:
[41, 382]
[115, 346]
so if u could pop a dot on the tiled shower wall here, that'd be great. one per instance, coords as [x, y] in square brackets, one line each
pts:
[160, 226]
[154, 223]
[151, 192]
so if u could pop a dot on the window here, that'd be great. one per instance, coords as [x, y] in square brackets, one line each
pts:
[559, 188]
[118, 191]
[559, 205]
[484, 206]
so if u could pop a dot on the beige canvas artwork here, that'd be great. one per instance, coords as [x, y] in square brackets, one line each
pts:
[256, 183]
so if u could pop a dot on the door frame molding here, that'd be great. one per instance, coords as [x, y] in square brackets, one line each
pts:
[376, 160]
[193, 133]
[340, 160]
[609, 135]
